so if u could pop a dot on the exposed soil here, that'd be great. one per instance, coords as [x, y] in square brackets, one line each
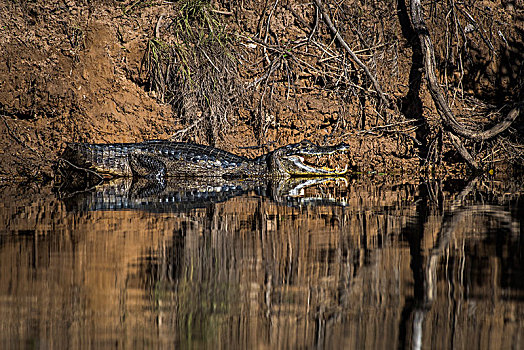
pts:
[72, 71]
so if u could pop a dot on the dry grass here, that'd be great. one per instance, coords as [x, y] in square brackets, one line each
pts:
[189, 65]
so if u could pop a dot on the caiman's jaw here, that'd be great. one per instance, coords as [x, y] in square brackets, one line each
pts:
[300, 168]
[291, 160]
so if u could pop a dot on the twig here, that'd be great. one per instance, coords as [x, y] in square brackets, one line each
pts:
[209, 59]
[342, 42]
[220, 12]
[325, 59]
[402, 132]
[394, 124]
[157, 27]
[11, 133]
[314, 25]
[270, 143]
[273, 66]
[92, 172]
[459, 146]
[371, 48]
[297, 16]
[475, 24]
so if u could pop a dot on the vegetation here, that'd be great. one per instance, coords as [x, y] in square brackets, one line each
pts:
[190, 66]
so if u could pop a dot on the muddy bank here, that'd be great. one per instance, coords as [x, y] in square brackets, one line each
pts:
[74, 71]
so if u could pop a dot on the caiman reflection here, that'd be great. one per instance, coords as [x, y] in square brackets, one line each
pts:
[172, 195]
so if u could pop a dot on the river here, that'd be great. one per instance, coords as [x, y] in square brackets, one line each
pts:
[370, 262]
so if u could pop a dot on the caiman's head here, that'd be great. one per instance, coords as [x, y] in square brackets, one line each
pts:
[297, 159]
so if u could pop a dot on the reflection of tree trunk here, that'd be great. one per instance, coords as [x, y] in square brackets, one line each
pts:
[414, 233]
[454, 127]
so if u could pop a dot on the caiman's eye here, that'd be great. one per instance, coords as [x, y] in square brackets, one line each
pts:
[305, 143]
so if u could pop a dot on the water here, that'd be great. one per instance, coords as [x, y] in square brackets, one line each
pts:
[371, 263]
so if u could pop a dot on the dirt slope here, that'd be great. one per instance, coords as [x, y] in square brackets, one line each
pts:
[71, 71]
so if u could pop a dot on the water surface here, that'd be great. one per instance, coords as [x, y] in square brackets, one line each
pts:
[376, 263]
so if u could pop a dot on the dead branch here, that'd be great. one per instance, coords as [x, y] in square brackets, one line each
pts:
[449, 120]
[179, 134]
[62, 161]
[268, 23]
[461, 149]
[355, 58]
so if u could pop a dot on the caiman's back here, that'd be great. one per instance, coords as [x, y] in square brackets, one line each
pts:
[154, 157]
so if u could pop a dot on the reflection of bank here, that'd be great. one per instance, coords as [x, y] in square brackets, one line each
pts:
[454, 221]
[251, 272]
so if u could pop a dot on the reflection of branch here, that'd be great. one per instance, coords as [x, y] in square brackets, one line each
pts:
[331, 26]
[449, 223]
[417, 18]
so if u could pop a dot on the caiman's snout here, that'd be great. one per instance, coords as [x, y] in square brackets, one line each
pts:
[340, 148]
[306, 147]
[290, 160]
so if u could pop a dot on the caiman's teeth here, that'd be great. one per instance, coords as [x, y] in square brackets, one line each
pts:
[338, 171]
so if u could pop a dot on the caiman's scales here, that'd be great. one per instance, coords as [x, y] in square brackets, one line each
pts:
[174, 159]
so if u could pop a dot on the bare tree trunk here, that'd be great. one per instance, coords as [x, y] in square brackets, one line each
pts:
[454, 127]
[417, 19]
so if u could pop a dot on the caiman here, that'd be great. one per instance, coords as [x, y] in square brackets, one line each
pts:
[159, 158]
